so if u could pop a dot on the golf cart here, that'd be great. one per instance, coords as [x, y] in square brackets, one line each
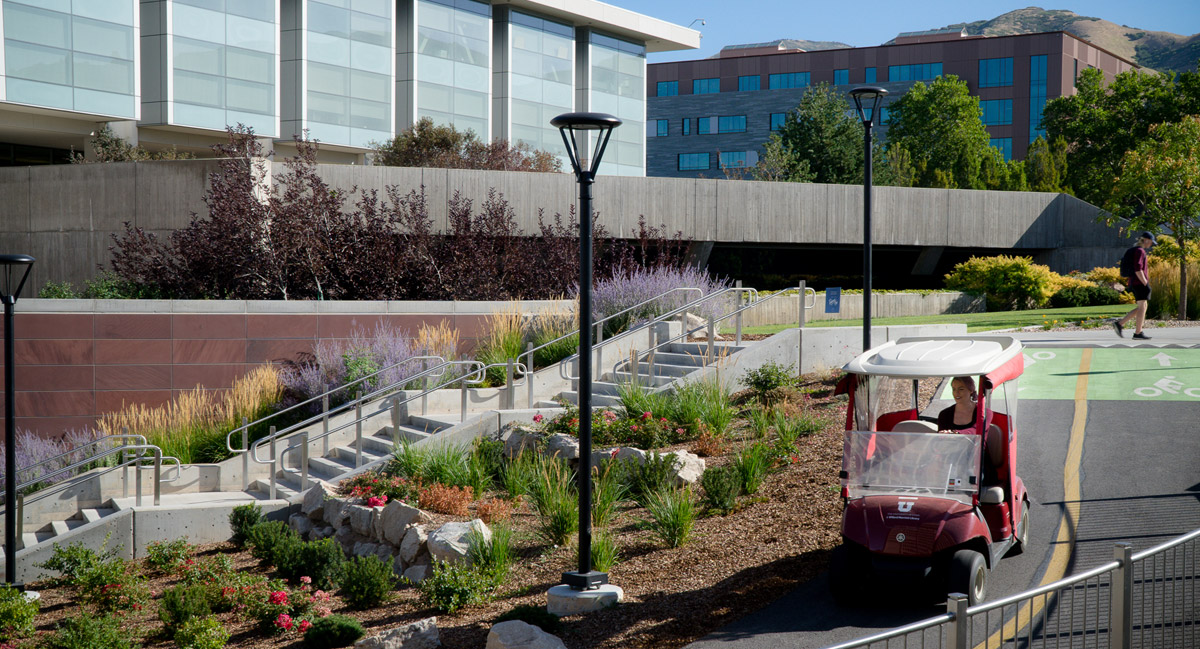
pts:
[923, 504]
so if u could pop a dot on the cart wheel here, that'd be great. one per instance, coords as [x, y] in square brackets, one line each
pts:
[845, 578]
[1022, 531]
[969, 575]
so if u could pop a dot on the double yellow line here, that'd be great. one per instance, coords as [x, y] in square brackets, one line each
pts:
[1064, 543]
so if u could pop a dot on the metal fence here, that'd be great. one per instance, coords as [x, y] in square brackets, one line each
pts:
[1138, 600]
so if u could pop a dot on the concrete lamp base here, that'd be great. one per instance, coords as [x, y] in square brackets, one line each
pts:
[563, 600]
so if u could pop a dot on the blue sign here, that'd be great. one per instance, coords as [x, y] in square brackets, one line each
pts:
[833, 300]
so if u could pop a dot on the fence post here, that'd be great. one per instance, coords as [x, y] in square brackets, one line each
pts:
[529, 372]
[157, 476]
[137, 481]
[738, 319]
[304, 460]
[712, 339]
[802, 287]
[245, 454]
[959, 631]
[274, 468]
[396, 420]
[325, 425]
[633, 365]
[358, 429]
[596, 363]
[510, 380]
[1120, 624]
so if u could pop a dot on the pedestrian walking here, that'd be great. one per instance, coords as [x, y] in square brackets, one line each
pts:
[1137, 278]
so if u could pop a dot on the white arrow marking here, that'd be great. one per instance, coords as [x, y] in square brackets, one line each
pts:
[1163, 359]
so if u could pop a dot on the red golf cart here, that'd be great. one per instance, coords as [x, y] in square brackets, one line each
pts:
[922, 504]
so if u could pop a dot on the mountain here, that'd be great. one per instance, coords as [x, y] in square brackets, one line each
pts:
[1158, 50]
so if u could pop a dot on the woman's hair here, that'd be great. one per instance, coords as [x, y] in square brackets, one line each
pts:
[967, 381]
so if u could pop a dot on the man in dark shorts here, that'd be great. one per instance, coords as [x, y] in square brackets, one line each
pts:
[1138, 282]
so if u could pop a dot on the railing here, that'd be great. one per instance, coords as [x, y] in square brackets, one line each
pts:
[1136, 601]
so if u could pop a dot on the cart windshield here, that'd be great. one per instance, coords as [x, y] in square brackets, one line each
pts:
[911, 463]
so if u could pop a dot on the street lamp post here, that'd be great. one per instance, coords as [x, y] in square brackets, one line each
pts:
[12, 265]
[572, 126]
[870, 95]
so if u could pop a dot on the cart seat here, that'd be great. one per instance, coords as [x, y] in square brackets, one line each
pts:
[993, 495]
[914, 426]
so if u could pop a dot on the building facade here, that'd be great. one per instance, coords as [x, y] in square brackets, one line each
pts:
[709, 115]
[176, 73]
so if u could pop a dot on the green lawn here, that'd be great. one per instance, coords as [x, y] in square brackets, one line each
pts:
[975, 321]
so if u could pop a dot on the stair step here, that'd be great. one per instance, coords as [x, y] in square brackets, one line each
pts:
[329, 468]
[654, 381]
[674, 358]
[93, 515]
[406, 434]
[30, 539]
[664, 370]
[597, 399]
[370, 451]
[701, 348]
[432, 423]
[282, 491]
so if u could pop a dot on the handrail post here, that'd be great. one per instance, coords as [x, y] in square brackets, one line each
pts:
[137, 473]
[463, 385]
[959, 630]
[650, 354]
[1120, 624]
[801, 304]
[712, 339]
[20, 524]
[599, 355]
[125, 457]
[358, 429]
[274, 468]
[396, 420]
[424, 386]
[304, 460]
[738, 318]
[325, 425]
[510, 400]
[529, 390]
[245, 454]
[157, 476]
[633, 365]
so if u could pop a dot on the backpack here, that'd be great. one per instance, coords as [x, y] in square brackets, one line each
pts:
[1129, 262]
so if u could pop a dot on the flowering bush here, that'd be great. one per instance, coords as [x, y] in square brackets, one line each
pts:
[645, 431]
[206, 570]
[383, 489]
[446, 500]
[113, 585]
[276, 607]
[633, 285]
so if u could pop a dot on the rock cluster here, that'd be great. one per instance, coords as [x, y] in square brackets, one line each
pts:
[688, 466]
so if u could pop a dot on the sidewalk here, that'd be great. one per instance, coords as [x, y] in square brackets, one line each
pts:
[1166, 337]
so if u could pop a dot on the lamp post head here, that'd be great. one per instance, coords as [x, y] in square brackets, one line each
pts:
[10, 265]
[572, 122]
[870, 95]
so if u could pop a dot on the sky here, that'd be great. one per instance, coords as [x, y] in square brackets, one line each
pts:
[864, 23]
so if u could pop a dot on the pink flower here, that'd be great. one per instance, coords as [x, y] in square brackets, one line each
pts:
[279, 597]
[304, 626]
[537, 419]
[284, 621]
[324, 611]
[679, 431]
[306, 580]
[377, 501]
[609, 416]
[646, 415]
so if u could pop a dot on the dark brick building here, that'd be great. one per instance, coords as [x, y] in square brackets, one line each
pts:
[712, 113]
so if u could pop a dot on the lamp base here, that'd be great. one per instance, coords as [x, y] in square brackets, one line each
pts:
[562, 600]
[585, 580]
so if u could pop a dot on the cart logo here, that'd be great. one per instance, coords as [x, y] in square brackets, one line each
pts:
[904, 506]
[900, 537]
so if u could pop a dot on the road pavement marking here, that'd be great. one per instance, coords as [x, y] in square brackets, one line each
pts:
[1064, 544]
[1117, 374]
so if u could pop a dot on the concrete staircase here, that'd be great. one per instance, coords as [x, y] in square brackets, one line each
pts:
[674, 362]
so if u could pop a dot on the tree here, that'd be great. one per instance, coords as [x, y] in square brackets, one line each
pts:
[1159, 187]
[1046, 166]
[1101, 123]
[940, 126]
[108, 147]
[425, 144]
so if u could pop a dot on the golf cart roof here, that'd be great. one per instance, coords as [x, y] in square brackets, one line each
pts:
[999, 357]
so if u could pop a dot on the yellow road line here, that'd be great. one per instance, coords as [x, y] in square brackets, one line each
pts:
[1064, 544]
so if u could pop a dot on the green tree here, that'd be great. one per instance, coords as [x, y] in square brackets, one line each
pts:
[1100, 123]
[108, 147]
[1159, 187]
[426, 144]
[940, 126]
[1046, 166]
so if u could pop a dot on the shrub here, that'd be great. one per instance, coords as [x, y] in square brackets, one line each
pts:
[1104, 276]
[370, 484]
[605, 552]
[181, 603]
[493, 557]
[752, 465]
[58, 291]
[1079, 296]
[768, 376]
[167, 556]
[1010, 283]
[722, 484]
[549, 327]
[517, 474]
[271, 541]
[637, 400]
[536, 615]
[673, 515]
[634, 284]
[205, 632]
[16, 613]
[89, 632]
[446, 500]
[709, 445]
[554, 499]
[241, 519]
[208, 570]
[322, 561]
[789, 430]
[113, 585]
[75, 559]
[368, 582]
[494, 510]
[760, 421]
[333, 631]
[717, 411]
[452, 586]
[1164, 291]
[656, 473]
[505, 340]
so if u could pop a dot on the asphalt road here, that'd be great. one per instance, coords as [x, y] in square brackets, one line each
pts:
[1136, 470]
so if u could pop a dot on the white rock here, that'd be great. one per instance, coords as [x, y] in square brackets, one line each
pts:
[450, 542]
[314, 500]
[361, 519]
[562, 445]
[413, 543]
[301, 524]
[417, 574]
[515, 634]
[335, 512]
[422, 634]
[688, 467]
[619, 454]
[396, 518]
[521, 437]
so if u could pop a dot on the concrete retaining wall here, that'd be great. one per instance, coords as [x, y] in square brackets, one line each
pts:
[785, 308]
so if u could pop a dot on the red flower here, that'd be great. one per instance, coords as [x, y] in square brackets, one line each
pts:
[304, 626]
[377, 501]
[284, 621]
[537, 419]
[646, 415]
[279, 597]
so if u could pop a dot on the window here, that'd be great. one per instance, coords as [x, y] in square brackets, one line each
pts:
[841, 77]
[1037, 95]
[749, 83]
[706, 86]
[915, 72]
[733, 159]
[885, 115]
[1005, 146]
[994, 73]
[668, 88]
[996, 111]
[687, 126]
[662, 128]
[703, 125]
[693, 161]
[788, 80]
[731, 124]
[869, 75]
[778, 120]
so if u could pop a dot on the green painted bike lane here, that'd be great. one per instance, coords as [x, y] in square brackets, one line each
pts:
[1116, 374]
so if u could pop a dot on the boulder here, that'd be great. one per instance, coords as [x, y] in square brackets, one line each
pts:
[385, 551]
[422, 634]
[301, 524]
[413, 543]
[515, 634]
[450, 542]
[562, 445]
[519, 438]
[335, 512]
[314, 500]
[362, 519]
[364, 549]
[416, 574]
[395, 520]
[346, 537]
[688, 467]
[320, 532]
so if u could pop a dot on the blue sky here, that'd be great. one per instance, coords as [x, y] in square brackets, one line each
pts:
[863, 23]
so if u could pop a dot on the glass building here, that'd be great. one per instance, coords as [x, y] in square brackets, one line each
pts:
[618, 87]
[541, 80]
[79, 56]
[453, 63]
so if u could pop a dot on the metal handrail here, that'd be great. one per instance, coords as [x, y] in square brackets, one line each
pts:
[134, 436]
[897, 632]
[135, 459]
[320, 397]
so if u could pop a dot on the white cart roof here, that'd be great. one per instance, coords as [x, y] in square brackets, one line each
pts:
[937, 356]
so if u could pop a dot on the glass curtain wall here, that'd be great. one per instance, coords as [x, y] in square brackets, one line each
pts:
[542, 63]
[453, 63]
[224, 64]
[618, 87]
[348, 94]
[73, 56]
[1037, 95]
